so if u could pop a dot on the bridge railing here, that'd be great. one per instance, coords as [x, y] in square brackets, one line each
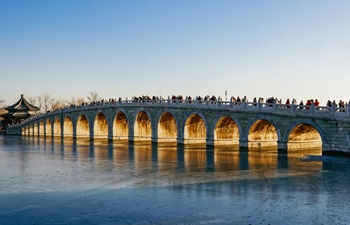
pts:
[332, 111]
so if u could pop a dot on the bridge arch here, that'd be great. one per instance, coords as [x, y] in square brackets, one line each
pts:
[31, 129]
[167, 127]
[48, 128]
[57, 127]
[142, 126]
[83, 126]
[24, 130]
[41, 128]
[195, 128]
[35, 128]
[68, 126]
[100, 130]
[262, 132]
[304, 134]
[120, 128]
[226, 130]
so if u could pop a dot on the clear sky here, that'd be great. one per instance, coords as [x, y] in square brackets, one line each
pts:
[285, 49]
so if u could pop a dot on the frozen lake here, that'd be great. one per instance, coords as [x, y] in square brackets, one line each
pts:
[50, 181]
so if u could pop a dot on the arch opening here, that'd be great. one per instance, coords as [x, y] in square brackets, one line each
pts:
[41, 128]
[167, 128]
[195, 130]
[25, 130]
[226, 132]
[48, 130]
[67, 127]
[100, 126]
[262, 135]
[142, 127]
[31, 130]
[120, 127]
[304, 136]
[35, 129]
[56, 127]
[83, 128]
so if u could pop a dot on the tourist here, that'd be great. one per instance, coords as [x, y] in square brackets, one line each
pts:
[254, 101]
[301, 105]
[316, 104]
[287, 103]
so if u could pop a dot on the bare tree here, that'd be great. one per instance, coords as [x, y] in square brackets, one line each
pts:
[72, 101]
[57, 104]
[93, 97]
[46, 101]
[31, 100]
[75, 101]
[1, 102]
[80, 101]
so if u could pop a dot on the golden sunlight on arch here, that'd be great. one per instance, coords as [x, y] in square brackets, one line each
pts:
[48, 126]
[100, 126]
[56, 127]
[262, 135]
[41, 128]
[120, 127]
[35, 129]
[304, 136]
[167, 128]
[83, 128]
[67, 127]
[25, 130]
[30, 129]
[142, 127]
[226, 132]
[195, 130]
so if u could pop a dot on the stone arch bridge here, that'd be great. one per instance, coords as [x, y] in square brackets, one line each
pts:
[214, 123]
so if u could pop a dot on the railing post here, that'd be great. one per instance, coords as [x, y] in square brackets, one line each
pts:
[259, 104]
[333, 109]
[347, 111]
[293, 108]
[312, 108]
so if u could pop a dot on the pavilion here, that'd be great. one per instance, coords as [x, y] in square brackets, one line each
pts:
[19, 111]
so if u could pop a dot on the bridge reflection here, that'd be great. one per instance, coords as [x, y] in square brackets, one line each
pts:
[124, 156]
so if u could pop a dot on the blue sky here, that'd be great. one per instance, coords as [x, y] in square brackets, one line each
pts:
[285, 49]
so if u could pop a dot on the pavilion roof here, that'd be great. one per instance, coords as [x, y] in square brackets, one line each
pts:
[22, 105]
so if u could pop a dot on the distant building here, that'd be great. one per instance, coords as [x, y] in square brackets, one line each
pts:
[18, 112]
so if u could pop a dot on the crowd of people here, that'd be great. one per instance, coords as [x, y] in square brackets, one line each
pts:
[213, 99]
[270, 102]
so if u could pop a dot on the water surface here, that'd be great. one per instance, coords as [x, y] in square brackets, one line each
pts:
[66, 181]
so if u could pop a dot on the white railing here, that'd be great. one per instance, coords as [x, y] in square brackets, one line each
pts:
[332, 111]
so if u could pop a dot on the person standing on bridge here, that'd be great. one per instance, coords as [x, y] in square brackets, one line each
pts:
[287, 103]
[301, 105]
[308, 103]
[316, 104]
